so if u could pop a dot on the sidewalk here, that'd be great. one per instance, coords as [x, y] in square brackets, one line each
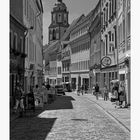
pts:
[121, 114]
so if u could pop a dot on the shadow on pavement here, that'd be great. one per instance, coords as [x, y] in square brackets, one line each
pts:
[31, 127]
[61, 102]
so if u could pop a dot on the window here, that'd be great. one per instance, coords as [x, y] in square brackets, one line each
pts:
[21, 45]
[27, 45]
[109, 9]
[25, 6]
[15, 41]
[35, 52]
[106, 12]
[128, 24]
[112, 6]
[59, 70]
[11, 39]
[104, 17]
[109, 48]
[27, 9]
[54, 34]
[109, 75]
[57, 35]
[59, 17]
[123, 29]
[54, 17]
[106, 43]
[112, 36]
[113, 75]
[120, 33]
[116, 75]
[109, 35]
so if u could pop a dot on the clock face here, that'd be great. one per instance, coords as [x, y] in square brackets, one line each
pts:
[106, 61]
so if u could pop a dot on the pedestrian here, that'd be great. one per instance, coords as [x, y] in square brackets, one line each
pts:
[36, 90]
[82, 89]
[93, 89]
[105, 93]
[121, 94]
[48, 86]
[97, 90]
[19, 96]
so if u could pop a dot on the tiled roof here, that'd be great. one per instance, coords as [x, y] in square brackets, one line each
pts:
[67, 33]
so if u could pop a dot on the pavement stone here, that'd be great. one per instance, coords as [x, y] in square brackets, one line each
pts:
[121, 114]
[70, 117]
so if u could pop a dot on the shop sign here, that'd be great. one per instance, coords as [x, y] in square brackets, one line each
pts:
[106, 61]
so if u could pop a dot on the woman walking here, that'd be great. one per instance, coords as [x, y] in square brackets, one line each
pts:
[105, 93]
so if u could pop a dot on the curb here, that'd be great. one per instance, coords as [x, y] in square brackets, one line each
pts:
[111, 115]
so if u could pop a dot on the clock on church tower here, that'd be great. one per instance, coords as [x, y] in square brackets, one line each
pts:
[59, 21]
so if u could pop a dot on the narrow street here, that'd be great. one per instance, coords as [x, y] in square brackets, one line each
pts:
[69, 117]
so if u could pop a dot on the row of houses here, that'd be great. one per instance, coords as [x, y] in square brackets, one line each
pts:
[94, 48]
[26, 45]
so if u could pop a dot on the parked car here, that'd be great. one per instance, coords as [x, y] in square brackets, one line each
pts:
[60, 90]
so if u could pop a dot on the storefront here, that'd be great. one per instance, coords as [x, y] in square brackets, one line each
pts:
[124, 76]
[80, 79]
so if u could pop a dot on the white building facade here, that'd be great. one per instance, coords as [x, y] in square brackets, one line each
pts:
[124, 38]
[80, 53]
[109, 56]
[33, 20]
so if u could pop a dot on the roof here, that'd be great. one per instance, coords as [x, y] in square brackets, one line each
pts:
[53, 47]
[68, 31]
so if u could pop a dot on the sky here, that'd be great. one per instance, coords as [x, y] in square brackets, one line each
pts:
[75, 8]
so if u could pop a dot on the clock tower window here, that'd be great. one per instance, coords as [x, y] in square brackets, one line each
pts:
[54, 34]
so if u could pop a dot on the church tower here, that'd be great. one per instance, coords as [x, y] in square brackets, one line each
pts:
[59, 21]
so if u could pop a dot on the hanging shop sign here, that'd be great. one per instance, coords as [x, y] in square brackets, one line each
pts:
[106, 61]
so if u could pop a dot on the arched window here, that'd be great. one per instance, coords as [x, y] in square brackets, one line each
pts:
[54, 17]
[59, 17]
[54, 34]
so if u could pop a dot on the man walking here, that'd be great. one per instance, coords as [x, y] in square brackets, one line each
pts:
[96, 90]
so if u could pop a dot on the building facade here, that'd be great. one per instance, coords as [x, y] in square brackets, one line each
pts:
[33, 20]
[109, 56]
[124, 38]
[80, 53]
[95, 47]
[66, 62]
[59, 21]
[17, 47]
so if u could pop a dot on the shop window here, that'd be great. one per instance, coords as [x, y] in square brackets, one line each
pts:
[122, 77]
[116, 75]
[112, 75]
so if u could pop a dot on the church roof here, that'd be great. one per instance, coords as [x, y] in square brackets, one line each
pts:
[59, 6]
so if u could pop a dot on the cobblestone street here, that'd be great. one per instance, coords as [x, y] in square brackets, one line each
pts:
[70, 117]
